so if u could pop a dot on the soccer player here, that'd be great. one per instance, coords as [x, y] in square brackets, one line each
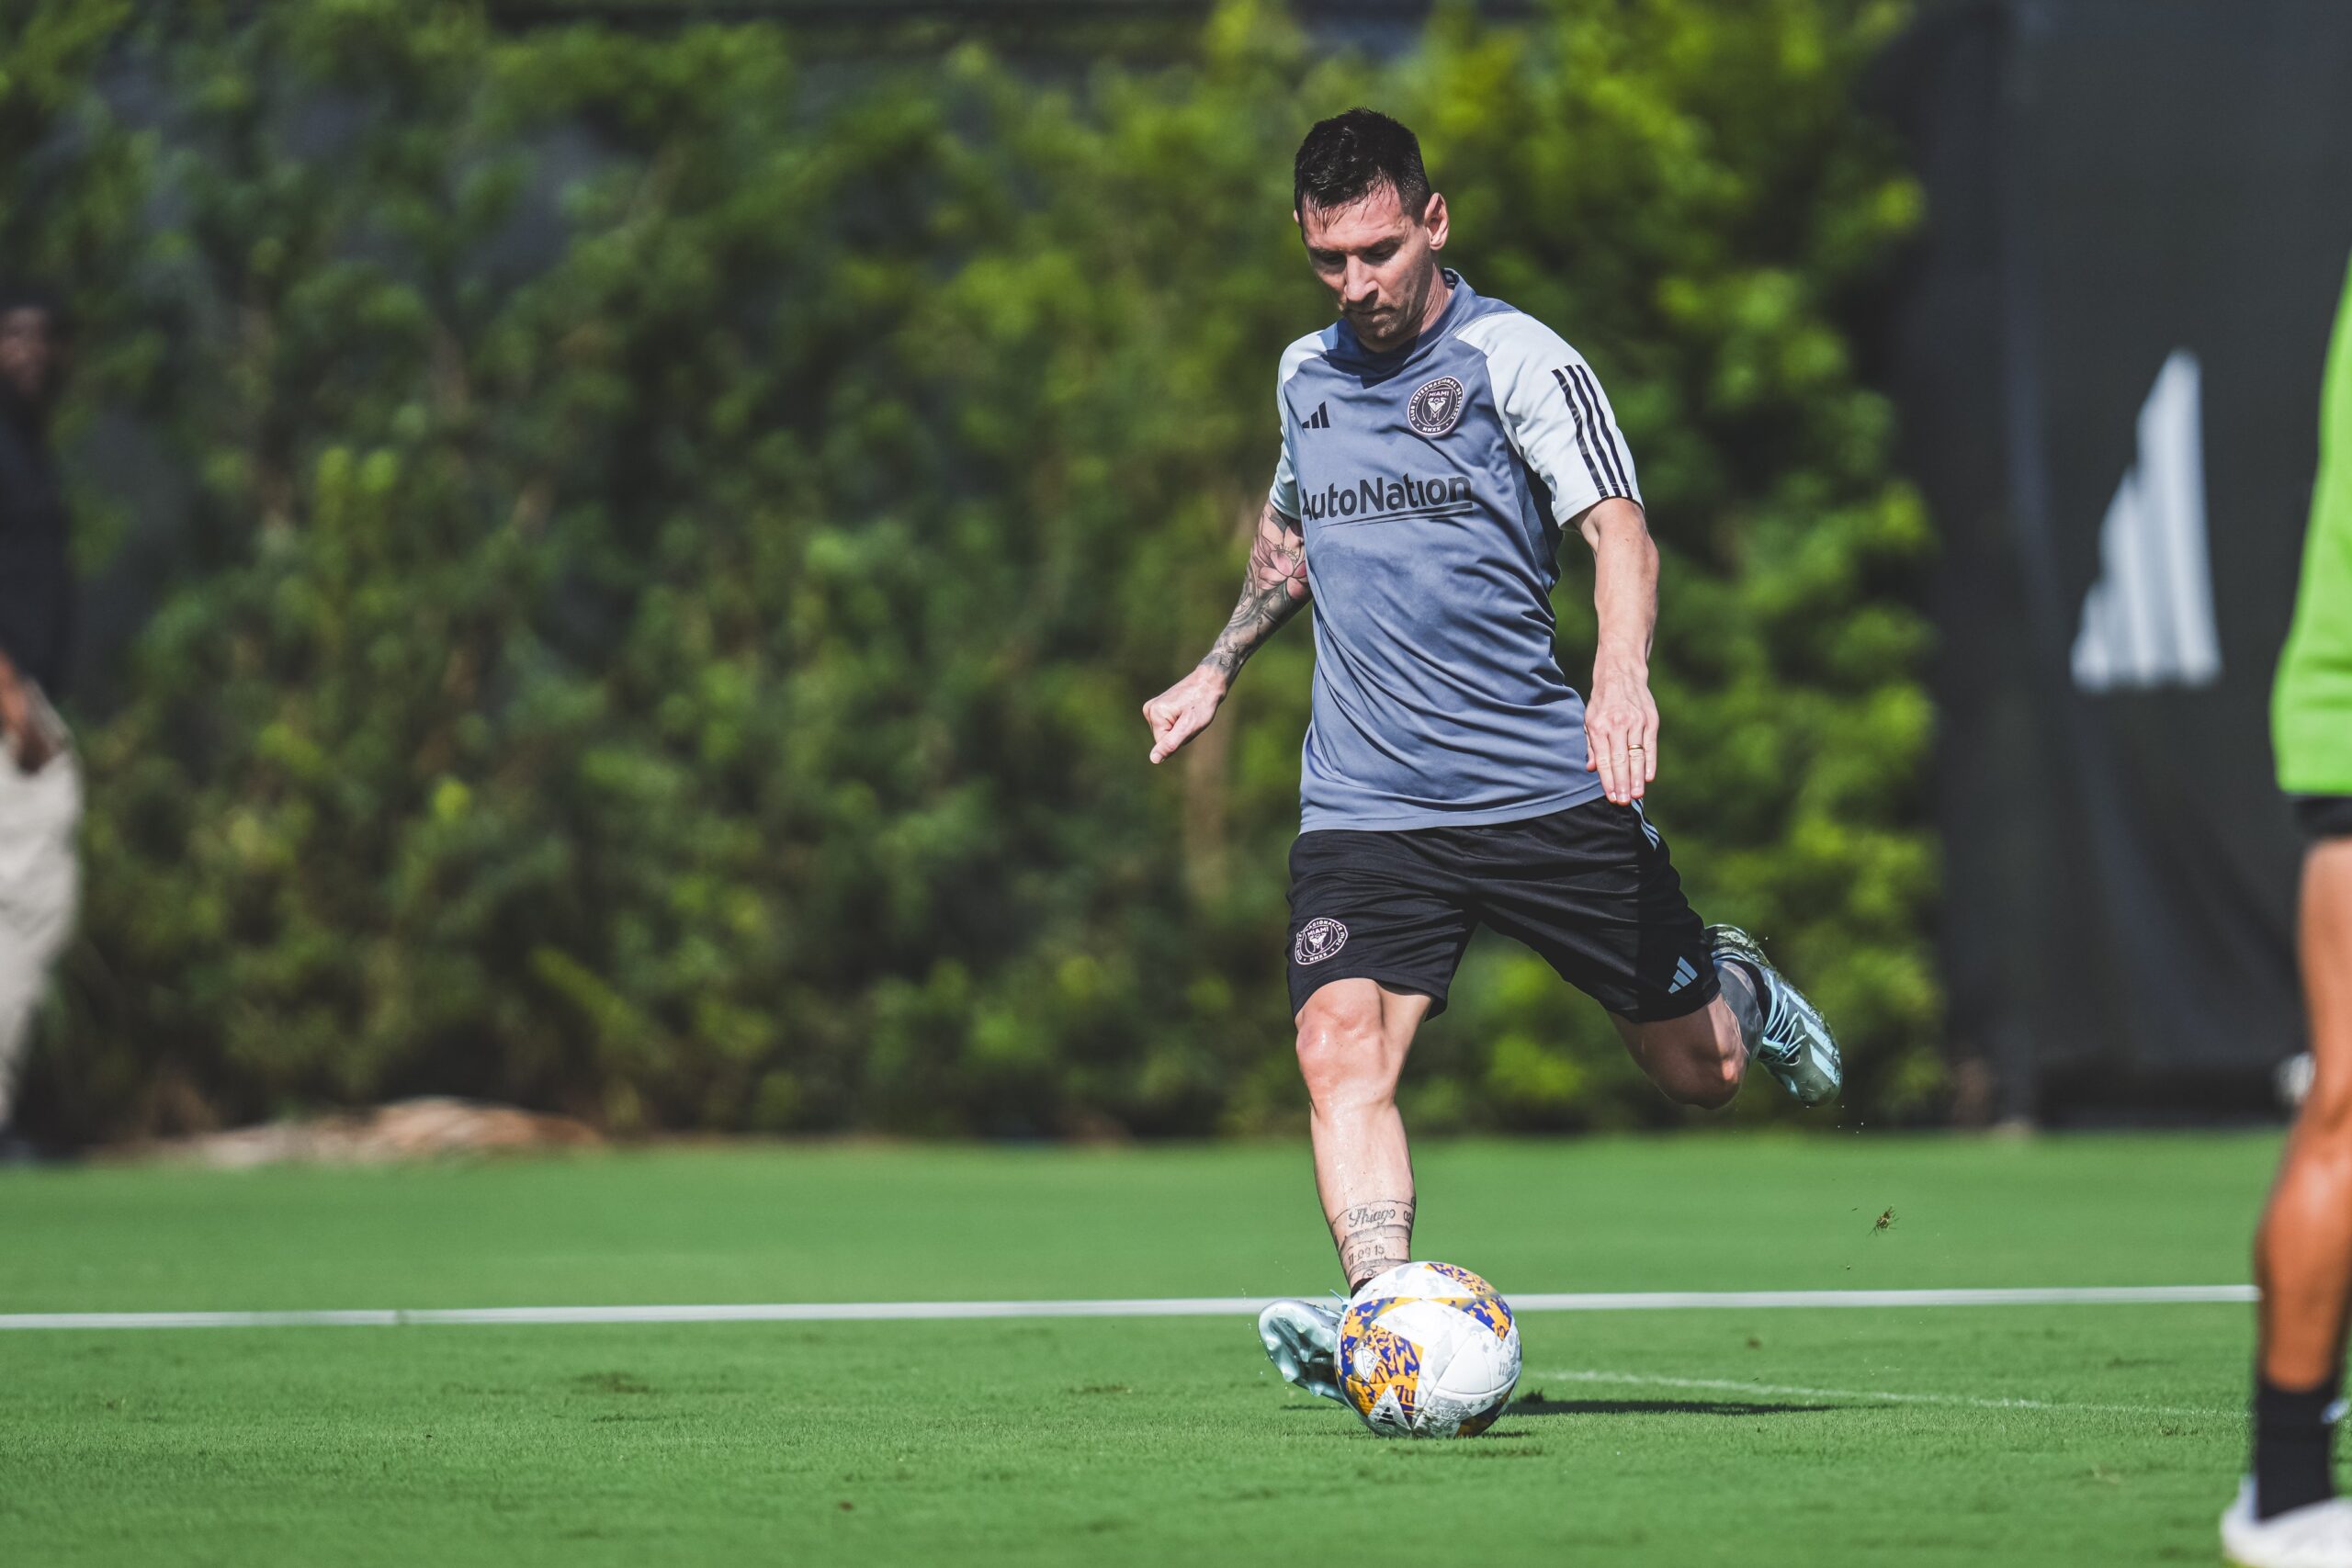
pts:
[2286, 1514]
[1437, 446]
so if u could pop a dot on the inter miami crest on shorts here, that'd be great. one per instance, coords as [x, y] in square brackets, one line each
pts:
[1318, 940]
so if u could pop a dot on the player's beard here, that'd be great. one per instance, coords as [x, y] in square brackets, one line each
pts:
[1378, 328]
[1384, 328]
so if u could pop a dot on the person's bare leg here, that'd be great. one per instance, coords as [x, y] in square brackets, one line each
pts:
[2304, 1251]
[1352, 1039]
[2303, 1254]
[1697, 1059]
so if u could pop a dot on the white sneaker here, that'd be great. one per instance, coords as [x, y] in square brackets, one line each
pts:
[1303, 1341]
[2316, 1536]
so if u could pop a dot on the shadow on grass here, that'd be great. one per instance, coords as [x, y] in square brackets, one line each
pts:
[1539, 1406]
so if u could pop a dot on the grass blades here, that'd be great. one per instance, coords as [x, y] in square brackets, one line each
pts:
[1762, 1437]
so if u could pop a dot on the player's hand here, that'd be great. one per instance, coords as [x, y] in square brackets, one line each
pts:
[1620, 733]
[1184, 710]
[33, 749]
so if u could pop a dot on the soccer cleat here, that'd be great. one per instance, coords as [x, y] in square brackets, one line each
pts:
[1303, 1341]
[2316, 1536]
[1797, 1047]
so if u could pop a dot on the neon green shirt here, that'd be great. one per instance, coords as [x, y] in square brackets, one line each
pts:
[2311, 706]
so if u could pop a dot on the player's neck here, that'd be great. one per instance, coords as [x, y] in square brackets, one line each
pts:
[1440, 296]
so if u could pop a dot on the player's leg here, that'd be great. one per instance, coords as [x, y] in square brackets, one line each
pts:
[2303, 1250]
[1594, 890]
[1696, 1059]
[1700, 1058]
[1352, 1039]
[1353, 1035]
[1376, 936]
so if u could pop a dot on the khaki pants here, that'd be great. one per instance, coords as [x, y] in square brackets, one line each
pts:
[38, 884]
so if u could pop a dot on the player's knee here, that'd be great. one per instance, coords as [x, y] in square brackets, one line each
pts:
[2326, 1115]
[1694, 1062]
[1709, 1085]
[1341, 1053]
[1731, 1069]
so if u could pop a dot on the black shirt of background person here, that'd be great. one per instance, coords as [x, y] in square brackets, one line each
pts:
[36, 575]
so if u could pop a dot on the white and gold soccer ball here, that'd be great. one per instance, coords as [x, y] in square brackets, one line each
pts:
[1428, 1350]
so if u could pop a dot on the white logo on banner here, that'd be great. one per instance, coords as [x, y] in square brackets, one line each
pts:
[2148, 621]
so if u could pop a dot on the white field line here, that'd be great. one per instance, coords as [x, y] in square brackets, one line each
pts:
[1170, 1306]
[2062, 1295]
[1882, 1396]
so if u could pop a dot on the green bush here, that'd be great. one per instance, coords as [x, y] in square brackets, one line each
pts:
[680, 546]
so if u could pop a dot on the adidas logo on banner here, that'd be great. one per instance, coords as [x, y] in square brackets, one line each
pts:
[2148, 621]
[1683, 975]
[1319, 420]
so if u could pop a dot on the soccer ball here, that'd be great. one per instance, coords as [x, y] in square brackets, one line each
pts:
[1428, 1350]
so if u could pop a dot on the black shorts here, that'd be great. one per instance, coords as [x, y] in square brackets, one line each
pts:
[1591, 889]
[2325, 816]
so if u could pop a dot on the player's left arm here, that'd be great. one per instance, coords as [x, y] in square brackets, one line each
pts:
[1560, 423]
[1620, 719]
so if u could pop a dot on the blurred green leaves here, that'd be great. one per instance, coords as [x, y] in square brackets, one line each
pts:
[682, 541]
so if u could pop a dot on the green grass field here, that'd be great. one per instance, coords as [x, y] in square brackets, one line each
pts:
[1749, 1437]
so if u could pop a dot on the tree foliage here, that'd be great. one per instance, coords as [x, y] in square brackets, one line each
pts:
[679, 543]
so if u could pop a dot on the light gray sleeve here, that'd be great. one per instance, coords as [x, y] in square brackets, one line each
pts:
[1557, 417]
[1283, 497]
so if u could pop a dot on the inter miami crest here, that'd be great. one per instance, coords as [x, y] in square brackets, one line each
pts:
[1318, 940]
[1435, 407]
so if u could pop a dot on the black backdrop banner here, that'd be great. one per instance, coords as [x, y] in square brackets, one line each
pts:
[2107, 354]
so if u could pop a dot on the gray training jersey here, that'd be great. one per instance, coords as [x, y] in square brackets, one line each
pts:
[1432, 485]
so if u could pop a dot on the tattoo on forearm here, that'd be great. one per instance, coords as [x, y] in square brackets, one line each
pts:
[1373, 1238]
[1272, 587]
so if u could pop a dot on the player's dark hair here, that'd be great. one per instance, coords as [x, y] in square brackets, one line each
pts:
[1348, 156]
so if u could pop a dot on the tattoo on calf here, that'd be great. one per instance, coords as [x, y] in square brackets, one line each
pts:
[1373, 1238]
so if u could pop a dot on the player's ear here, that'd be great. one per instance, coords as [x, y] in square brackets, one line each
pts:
[1433, 219]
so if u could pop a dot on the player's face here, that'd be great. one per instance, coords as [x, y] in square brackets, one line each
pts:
[1379, 263]
[28, 353]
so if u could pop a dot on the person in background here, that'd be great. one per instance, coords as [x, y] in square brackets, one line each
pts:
[41, 786]
[2286, 1514]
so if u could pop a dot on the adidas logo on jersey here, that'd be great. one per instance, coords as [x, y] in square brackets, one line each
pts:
[1319, 420]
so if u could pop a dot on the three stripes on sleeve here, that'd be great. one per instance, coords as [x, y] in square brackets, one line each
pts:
[1603, 459]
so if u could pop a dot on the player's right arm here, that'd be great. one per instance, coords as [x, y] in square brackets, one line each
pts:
[1274, 586]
